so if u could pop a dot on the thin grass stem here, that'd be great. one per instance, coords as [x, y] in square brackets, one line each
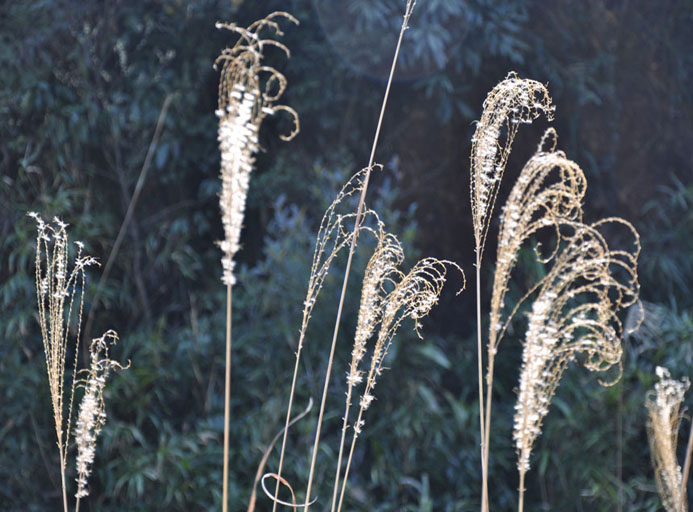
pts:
[484, 472]
[686, 469]
[227, 399]
[341, 448]
[62, 479]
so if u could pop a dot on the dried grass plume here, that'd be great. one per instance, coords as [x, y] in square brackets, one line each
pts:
[664, 418]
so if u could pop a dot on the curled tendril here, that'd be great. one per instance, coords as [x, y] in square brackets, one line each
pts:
[241, 64]
[286, 484]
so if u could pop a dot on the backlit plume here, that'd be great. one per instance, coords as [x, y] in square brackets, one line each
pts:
[247, 92]
[92, 410]
[574, 316]
[510, 103]
[547, 194]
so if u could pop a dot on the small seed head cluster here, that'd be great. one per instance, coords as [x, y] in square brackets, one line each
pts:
[510, 103]
[92, 411]
[243, 104]
[574, 314]
[664, 410]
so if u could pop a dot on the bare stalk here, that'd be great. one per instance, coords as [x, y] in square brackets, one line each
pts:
[227, 400]
[62, 479]
[521, 502]
[686, 469]
[484, 472]
[409, 8]
[341, 449]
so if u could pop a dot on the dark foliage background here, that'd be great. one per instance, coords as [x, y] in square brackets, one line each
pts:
[82, 84]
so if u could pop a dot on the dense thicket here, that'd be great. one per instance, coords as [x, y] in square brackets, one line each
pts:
[82, 84]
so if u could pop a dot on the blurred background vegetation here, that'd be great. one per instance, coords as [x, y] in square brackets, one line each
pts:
[82, 84]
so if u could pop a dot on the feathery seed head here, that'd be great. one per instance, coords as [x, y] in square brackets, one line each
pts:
[413, 296]
[243, 104]
[56, 287]
[92, 411]
[547, 194]
[510, 103]
[575, 313]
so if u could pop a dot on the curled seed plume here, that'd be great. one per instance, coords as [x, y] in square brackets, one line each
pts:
[575, 313]
[547, 194]
[413, 296]
[243, 103]
[510, 103]
[664, 411]
[92, 410]
[56, 288]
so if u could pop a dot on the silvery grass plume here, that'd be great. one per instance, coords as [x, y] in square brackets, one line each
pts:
[547, 194]
[92, 410]
[412, 295]
[381, 269]
[243, 103]
[56, 288]
[664, 410]
[510, 103]
[574, 314]
[334, 234]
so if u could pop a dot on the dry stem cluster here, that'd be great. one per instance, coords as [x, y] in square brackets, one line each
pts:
[57, 287]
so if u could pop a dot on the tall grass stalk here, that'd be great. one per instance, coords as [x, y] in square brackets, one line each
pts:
[56, 287]
[574, 314]
[243, 103]
[387, 256]
[405, 23]
[511, 102]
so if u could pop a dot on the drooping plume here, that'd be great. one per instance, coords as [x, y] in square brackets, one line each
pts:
[547, 194]
[664, 410]
[413, 296]
[510, 103]
[575, 314]
[382, 268]
[243, 103]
